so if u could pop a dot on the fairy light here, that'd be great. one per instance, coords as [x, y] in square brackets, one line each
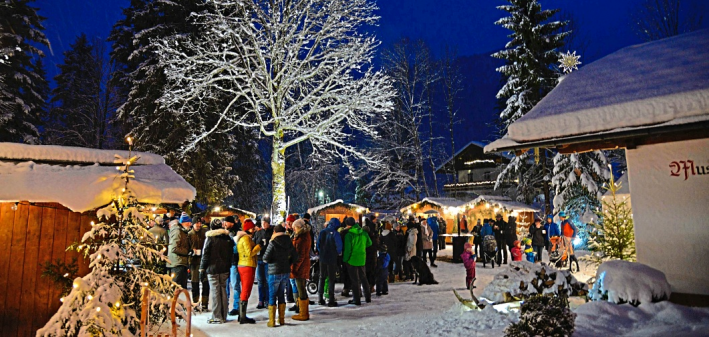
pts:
[98, 309]
[93, 223]
[118, 304]
[61, 300]
[75, 285]
[66, 275]
[89, 297]
[98, 257]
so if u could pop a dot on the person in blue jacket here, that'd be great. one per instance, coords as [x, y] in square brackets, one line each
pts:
[329, 246]
[383, 260]
[552, 230]
[433, 223]
[487, 229]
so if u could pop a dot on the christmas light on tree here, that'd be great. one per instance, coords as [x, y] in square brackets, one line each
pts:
[612, 237]
[123, 256]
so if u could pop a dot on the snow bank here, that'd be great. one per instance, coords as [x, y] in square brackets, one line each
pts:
[519, 277]
[70, 154]
[620, 281]
[648, 319]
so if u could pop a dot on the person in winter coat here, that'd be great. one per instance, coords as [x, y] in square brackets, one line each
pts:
[217, 254]
[433, 224]
[552, 230]
[388, 238]
[511, 232]
[538, 238]
[355, 255]
[279, 256]
[329, 246]
[442, 229]
[477, 237]
[469, 258]
[197, 238]
[568, 232]
[371, 263]
[486, 229]
[179, 249]
[398, 256]
[383, 261]
[415, 223]
[300, 270]
[516, 251]
[500, 228]
[464, 224]
[262, 238]
[347, 223]
[427, 245]
[411, 243]
[159, 233]
[233, 225]
[248, 250]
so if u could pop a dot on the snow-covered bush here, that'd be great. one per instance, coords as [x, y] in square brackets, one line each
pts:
[543, 316]
[621, 281]
[522, 279]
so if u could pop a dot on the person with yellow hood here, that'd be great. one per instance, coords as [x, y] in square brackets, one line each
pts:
[248, 251]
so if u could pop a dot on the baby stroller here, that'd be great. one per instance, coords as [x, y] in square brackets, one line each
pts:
[558, 256]
[489, 250]
[312, 285]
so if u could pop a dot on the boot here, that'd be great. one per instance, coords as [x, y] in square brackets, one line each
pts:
[242, 313]
[304, 314]
[294, 307]
[205, 303]
[345, 293]
[271, 316]
[282, 314]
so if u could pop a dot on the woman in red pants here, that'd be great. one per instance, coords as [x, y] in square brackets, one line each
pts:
[248, 251]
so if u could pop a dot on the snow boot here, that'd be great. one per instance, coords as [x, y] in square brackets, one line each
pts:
[260, 305]
[304, 314]
[282, 314]
[271, 316]
[242, 313]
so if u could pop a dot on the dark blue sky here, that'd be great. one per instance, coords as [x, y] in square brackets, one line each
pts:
[465, 24]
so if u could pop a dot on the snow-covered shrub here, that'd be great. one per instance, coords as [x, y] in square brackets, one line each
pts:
[543, 315]
[522, 279]
[621, 281]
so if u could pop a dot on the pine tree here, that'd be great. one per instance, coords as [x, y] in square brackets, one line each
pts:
[22, 94]
[613, 236]
[106, 302]
[161, 130]
[577, 180]
[530, 56]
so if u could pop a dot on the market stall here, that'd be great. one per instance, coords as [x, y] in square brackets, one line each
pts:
[336, 209]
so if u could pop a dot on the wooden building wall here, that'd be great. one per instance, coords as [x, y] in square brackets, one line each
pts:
[29, 237]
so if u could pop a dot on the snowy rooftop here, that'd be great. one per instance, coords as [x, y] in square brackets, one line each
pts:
[504, 202]
[315, 210]
[472, 143]
[440, 202]
[84, 179]
[665, 81]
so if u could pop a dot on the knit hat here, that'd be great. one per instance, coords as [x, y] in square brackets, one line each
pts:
[298, 225]
[517, 242]
[467, 246]
[216, 224]
[230, 219]
[290, 218]
[185, 218]
[247, 225]
[306, 216]
[527, 241]
[550, 217]
[562, 214]
[350, 221]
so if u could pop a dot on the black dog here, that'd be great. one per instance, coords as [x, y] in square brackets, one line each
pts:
[422, 274]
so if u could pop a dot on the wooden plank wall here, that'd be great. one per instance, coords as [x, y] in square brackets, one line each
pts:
[30, 236]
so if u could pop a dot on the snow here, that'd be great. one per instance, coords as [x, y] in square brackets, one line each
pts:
[84, 188]
[511, 275]
[440, 202]
[317, 209]
[504, 202]
[650, 319]
[625, 281]
[71, 155]
[639, 85]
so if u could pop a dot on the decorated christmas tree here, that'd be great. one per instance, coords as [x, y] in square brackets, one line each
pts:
[612, 236]
[106, 302]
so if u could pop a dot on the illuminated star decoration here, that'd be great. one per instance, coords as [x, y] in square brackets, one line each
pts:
[569, 62]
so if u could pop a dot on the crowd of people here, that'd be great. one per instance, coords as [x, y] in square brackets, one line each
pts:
[229, 256]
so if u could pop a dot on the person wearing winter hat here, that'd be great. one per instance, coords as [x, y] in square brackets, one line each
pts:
[300, 270]
[216, 262]
[568, 232]
[383, 260]
[552, 230]
[329, 246]
[354, 255]
[248, 250]
[158, 232]
[469, 258]
[178, 251]
[279, 255]
[516, 251]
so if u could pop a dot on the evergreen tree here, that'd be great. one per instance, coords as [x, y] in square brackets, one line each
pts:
[208, 166]
[84, 100]
[22, 93]
[530, 56]
[613, 236]
[577, 181]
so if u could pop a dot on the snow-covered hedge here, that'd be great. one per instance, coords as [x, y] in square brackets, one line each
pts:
[620, 281]
[522, 278]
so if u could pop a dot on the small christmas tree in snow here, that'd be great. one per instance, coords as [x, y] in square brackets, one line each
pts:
[106, 302]
[612, 237]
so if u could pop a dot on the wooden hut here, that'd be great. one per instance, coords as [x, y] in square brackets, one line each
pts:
[486, 207]
[448, 208]
[221, 212]
[336, 209]
[48, 198]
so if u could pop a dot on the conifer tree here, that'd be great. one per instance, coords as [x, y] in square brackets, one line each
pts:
[577, 180]
[613, 236]
[22, 93]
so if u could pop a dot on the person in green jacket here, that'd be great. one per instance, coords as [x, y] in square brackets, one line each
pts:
[355, 256]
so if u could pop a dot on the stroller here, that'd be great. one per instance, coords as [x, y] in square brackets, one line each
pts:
[558, 256]
[312, 285]
[489, 250]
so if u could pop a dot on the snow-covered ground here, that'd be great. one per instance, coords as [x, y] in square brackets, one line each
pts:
[412, 310]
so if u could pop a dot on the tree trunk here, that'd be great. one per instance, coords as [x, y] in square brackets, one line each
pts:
[545, 183]
[278, 170]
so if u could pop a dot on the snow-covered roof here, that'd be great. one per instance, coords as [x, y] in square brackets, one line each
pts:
[648, 84]
[475, 143]
[504, 202]
[440, 202]
[337, 202]
[40, 173]
[624, 186]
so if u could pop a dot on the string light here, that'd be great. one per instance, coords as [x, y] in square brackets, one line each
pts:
[89, 297]
[75, 285]
[98, 309]
[118, 304]
[61, 300]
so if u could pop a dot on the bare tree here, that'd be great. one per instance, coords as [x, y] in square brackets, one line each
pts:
[301, 69]
[658, 19]
[452, 86]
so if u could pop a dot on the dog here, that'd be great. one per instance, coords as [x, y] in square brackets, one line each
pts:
[422, 273]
